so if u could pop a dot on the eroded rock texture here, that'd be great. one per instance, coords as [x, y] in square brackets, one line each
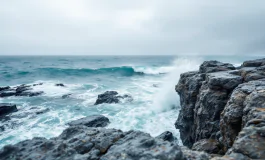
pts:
[223, 109]
[82, 143]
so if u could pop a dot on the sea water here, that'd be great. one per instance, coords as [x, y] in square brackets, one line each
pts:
[150, 80]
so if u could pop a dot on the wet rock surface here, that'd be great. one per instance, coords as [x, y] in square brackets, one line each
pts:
[223, 109]
[6, 108]
[21, 90]
[82, 142]
[111, 97]
[167, 136]
[91, 121]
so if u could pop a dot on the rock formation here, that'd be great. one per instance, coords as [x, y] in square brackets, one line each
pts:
[111, 97]
[83, 141]
[223, 109]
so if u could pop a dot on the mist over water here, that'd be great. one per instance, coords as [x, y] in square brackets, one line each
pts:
[150, 80]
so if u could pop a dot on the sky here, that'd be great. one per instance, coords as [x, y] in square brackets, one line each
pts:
[138, 27]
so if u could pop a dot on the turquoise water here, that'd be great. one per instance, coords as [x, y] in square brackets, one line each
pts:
[150, 80]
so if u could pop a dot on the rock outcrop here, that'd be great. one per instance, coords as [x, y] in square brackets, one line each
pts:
[223, 109]
[21, 90]
[6, 108]
[91, 121]
[111, 97]
[82, 142]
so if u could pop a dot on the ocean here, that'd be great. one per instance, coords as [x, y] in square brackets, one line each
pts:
[150, 80]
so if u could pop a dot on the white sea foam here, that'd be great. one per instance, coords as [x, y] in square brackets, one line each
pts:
[166, 97]
[154, 70]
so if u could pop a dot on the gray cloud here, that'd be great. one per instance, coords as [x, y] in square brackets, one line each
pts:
[132, 27]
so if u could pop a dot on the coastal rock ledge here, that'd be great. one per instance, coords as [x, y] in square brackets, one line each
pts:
[223, 109]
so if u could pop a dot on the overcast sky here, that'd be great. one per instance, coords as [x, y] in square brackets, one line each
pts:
[92, 27]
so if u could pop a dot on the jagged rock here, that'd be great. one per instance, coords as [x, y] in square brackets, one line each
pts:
[30, 94]
[138, 145]
[223, 80]
[4, 88]
[188, 89]
[203, 97]
[111, 97]
[217, 104]
[107, 97]
[167, 136]
[208, 145]
[215, 66]
[21, 90]
[245, 104]
[7, 93]
[81, 142]
[6, 108]
[254, 63]
[91, 121]
[60, 85]
[250, 142]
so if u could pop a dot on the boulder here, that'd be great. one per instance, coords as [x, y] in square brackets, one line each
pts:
[6, 108]
[215, 66]
[21, 90]
[60, 85]
[91, 121]
[167, 136]
[82, 142]
[254, 63]
[111, 97]
[4, 88]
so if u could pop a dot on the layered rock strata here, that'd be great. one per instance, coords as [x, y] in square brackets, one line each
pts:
[223, 109]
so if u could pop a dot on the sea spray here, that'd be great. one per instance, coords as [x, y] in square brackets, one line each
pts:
[166, 98]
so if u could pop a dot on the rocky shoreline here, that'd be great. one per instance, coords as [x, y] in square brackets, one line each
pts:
[222, 117]
[223, 109]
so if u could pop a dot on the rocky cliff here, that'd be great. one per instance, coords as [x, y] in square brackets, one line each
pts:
[223, 109]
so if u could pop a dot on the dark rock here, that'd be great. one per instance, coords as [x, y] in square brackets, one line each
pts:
[6, 108]
[4, 88]
[208, 145]
[29, 94]
[167, 136]
[218, 108]
[91, 121]
[22, 88]
[111, 97]
[66, 96]
[245, 104]
[81, 142]
[188, 89]
[37, 84]
[138, 145]
[60, 85]
[223, 80]
[7, 93]
[250, 142]
[215, 66]
[254, 63]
